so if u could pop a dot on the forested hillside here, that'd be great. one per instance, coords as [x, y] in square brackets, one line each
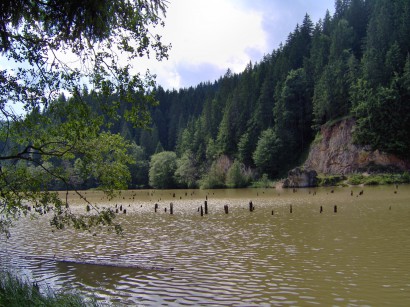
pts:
[355, 63]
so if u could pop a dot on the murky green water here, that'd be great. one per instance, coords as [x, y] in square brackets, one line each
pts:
[357, 256]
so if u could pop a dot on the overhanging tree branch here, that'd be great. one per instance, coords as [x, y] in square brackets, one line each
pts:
[53, 46]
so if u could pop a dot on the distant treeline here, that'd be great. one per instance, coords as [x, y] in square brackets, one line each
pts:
[231, 132]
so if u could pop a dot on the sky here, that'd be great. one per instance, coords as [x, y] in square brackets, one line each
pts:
[209, 37]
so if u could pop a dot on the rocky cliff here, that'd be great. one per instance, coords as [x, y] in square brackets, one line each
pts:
[333, 152]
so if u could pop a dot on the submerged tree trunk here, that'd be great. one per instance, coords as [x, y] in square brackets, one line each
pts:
[98, 262]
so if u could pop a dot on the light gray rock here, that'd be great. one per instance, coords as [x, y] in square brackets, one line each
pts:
[301, 178]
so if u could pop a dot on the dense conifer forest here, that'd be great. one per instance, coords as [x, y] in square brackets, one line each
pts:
[260, 123]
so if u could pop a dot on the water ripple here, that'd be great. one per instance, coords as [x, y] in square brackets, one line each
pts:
[358, 256]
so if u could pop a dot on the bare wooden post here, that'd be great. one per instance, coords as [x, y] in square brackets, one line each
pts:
[156, 207]
[206, 207]
[202, 211]
[226, 209]
[171, 208]
[335, 209]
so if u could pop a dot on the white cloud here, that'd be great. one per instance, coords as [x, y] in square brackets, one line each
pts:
[214, 33]
[213, 29]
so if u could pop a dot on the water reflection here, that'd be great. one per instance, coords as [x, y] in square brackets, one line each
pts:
[357, 256]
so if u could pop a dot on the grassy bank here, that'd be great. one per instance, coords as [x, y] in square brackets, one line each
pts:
[364, 179]
[14, 292]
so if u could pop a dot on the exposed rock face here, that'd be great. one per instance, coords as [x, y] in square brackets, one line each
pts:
[301, 178]
[335, 152]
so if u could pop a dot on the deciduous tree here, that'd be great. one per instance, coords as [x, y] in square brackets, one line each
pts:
[162, 168]
[54, 47]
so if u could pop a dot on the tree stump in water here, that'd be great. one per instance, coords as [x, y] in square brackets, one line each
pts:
[251, 207]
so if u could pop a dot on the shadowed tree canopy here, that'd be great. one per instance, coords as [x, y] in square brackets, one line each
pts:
[54, 51]
[349, 65]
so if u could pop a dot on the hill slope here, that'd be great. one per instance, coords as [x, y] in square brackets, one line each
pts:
[260, 123]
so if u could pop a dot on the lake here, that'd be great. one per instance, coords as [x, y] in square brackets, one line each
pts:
[359, 255]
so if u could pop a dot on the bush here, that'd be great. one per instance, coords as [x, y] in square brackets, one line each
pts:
[162, 168]
[330, 180]
[263, 182]
[186, 173]
[356, 179]
[214, 179]
[377, 179]
[238, 176]
[16, 293]
[374, 180]
[406, 177]
[216, 176]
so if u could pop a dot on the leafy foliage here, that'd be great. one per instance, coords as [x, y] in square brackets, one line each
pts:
[238, 176]
[162, 168]
[383, 114]
[186, 173]
[54, 48]
[267, 155]
[215, 178]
